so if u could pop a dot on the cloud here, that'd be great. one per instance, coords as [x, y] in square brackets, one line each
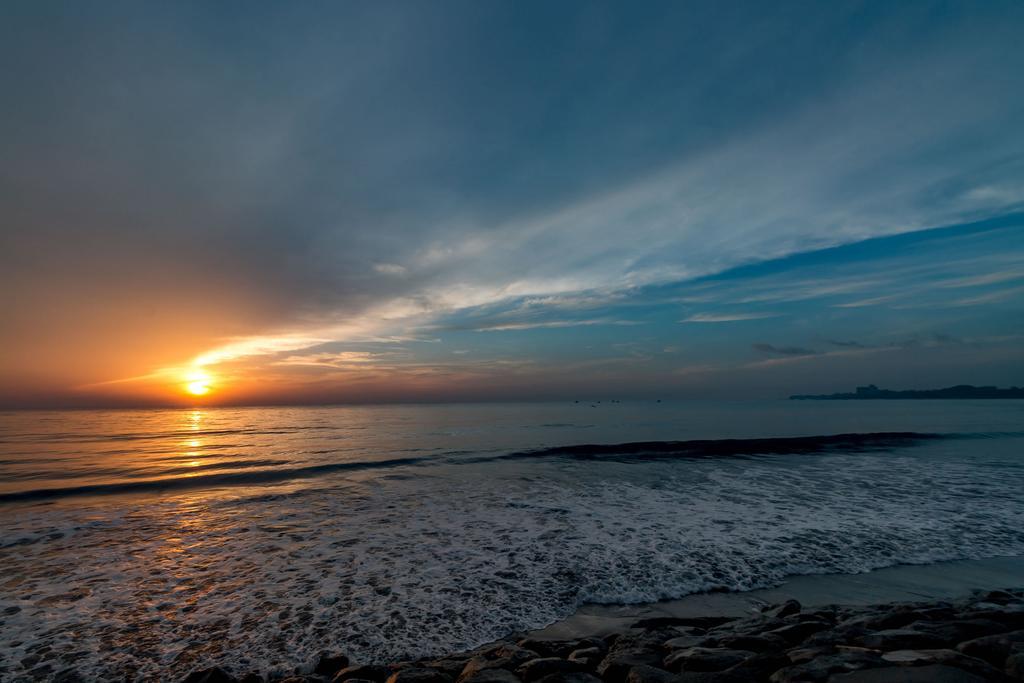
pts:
[846, 344]
[983, 280]
[390, 269]
[335, 360]
[172, 193]
[784, 350]
[543, 324]
[726, 317]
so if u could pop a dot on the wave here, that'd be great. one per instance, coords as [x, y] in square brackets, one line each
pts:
[206, 480]
[638, 451]
[717, 448]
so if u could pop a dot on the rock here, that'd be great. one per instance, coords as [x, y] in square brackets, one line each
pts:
[68, 676]
[633, 649]
[516, 654]
[492, 676]
[936, 613]
[367, 672]
[328, 664]
[589, 657]
[900, 639]
[953, 632]
[577, 677]
[933, 673]
[882, 621]
[611, 639]
[1015, 666]
[501, 656]
[761, 643]
[1011, 615]
[826, 614]
[711, 677]
[835, 636]
[212, 675]
[649, 674]
[784, 610]
[794, 634]
[705, 659]
[999, 597]
[698, 622]
[993, 649]
[761, 666]
[615, 667]
[551, 648]
[820, 668]
[252, 677]
[536, 669]
[419, 675]
[750, 626]
[482, 663]
[946, 657]
[451, 665]
[599, 643]
[683, 642]
[805, 654]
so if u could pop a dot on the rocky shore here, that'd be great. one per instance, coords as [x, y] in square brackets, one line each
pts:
[980, 638]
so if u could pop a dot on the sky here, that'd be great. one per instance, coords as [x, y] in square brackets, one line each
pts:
[320, 202]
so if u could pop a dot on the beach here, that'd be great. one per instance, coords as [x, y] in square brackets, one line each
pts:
[941, 622]
[146, 545]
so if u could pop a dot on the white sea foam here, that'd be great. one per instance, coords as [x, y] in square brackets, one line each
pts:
[411, 561]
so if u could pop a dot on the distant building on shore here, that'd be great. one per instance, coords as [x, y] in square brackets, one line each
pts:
[872, 392]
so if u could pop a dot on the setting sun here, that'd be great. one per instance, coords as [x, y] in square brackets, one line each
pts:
[198, 383]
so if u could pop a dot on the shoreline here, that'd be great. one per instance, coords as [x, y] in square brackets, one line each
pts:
[947, 580]
[959, 621]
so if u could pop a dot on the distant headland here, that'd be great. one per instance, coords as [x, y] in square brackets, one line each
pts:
[871, 392]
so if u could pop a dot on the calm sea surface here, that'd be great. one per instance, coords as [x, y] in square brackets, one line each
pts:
[141, 544]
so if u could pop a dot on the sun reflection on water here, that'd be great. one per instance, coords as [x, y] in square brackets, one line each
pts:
[193, 445]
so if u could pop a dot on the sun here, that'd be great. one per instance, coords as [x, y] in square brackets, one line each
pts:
[198, 383]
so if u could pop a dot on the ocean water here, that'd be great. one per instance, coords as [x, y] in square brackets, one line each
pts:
[143, 544]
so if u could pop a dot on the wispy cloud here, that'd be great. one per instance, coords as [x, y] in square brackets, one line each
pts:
[335, 360]
[783, 350]
[542, 324]
[727, 317]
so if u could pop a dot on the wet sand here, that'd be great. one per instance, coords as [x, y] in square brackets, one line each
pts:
[941, 581]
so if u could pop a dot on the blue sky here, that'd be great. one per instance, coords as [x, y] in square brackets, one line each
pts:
[389, 201]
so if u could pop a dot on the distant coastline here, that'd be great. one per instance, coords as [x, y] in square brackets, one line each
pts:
[871, 392]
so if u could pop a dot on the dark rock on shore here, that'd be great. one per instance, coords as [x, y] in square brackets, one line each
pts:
[212, 675]
[705, 659]
[900, 639]
[649, 674]
[365, 672]
[560, 648]
[698, 622]
[977, 639]
[417, 675]
[934, 673]
[994, 649]
[788, 608]
[494, 675]
[329, 664]
[536, 669]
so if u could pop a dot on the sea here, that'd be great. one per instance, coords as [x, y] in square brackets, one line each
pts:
[143, 544]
